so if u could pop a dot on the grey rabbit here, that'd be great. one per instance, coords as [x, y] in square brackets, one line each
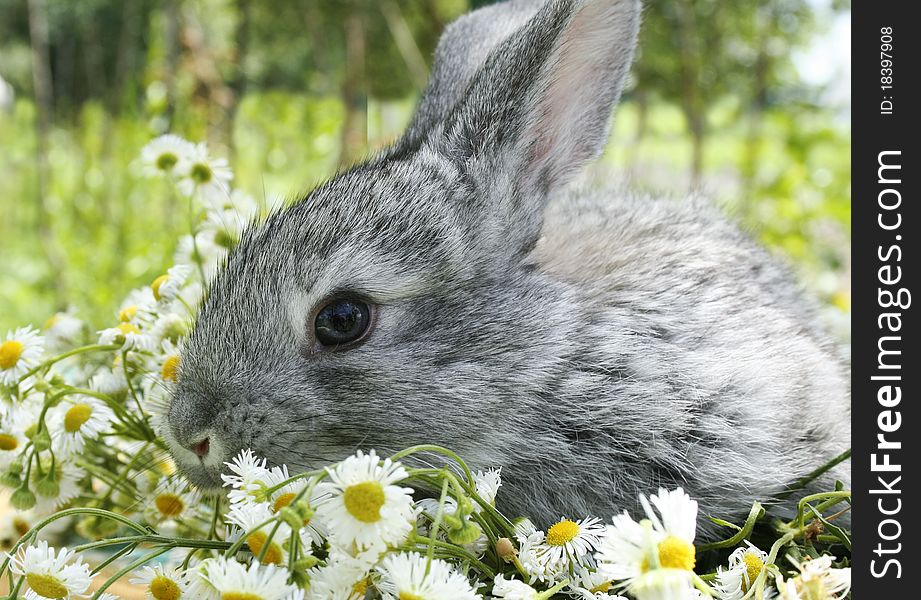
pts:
[454, 290]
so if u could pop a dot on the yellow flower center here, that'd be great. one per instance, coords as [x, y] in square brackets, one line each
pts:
[753, 566]
[48, 586]
[8, 442]
[21, 526]
[410, 596]
[169, 505]
[157, 283]
[240, 596]
[164, 588]
[127, 328]
[675, 553]
[170, 368]
[166, 161]
[360, 588]
[127, 313]
[364, 501]
[52, 321]
[76, 416]
[200, 173]
[10, 351]
[283, 501]
[256, 542]
[562, 533]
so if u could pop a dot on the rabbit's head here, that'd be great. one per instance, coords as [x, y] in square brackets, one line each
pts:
[394, 305]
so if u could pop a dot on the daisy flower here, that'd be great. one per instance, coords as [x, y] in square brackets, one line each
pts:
[513, 589]
[745, 564]
[344, 577]
[247, 517]
[20, 351]
[208, 178]
[664, 540]
[166, 288]
[127, 335]
[14, 420]
[171, 502]
[77, 419]
[248, 477]
[570, 541]
[110, 381]
[63, 327]
[364, 506]
[817, 579]
[231, 579]
[664, 584]
[66, 475]
[405, 576]
[487, 486]
[160, 583]
[49, 573]
[163, 155]
[592, 585]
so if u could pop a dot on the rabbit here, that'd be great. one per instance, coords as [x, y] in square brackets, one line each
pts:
[455, 289]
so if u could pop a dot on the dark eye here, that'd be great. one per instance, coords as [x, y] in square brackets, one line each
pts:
[342, 322]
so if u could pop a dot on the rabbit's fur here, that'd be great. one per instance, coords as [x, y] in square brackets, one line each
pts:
[596, 345]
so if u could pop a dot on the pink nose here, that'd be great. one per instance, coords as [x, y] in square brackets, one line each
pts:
[201, 448]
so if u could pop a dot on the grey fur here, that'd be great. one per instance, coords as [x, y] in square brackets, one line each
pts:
[596, 344]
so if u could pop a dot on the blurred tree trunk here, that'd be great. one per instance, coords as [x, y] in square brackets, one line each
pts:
[237, 83]
[354, 92]
[406, 44]
[41, 80]
[691, 100]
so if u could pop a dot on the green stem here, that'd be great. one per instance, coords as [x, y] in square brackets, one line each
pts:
[753, 515]
[804, 481]
[68, 354]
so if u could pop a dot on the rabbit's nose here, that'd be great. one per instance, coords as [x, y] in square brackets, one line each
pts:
[201, 448]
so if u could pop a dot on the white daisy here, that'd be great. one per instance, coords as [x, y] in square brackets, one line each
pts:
[661, 541]
[513, 589]
[66, 475]
[664, 584]
[405, 576]
[128, 336]
[570, 541]
[592, 585]
[166, 288]
[364, 506]
[19, 352]
[247, 517]
[344, 576]
[77, 419]
[487, 486]
[248, 478]
[745, 564]
[110, 381]
[63, 327]
[14, 420]
[205, 177]
[163, 155]
[161, 583]
[232, 579]
[171, 502]
[817, 579]
[49, 573]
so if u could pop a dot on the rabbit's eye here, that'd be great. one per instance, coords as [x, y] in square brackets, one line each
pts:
[341, 322]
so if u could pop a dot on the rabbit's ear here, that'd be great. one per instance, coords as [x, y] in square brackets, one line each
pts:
[540, 106]
[462, 51]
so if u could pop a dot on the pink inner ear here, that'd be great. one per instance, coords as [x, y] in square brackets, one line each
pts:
[568, 122]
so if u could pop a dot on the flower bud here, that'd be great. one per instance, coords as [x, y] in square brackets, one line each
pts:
[22, 498]
[291, 517]
[506, 549]
[468, 533]
[41, 439]
[48, 486]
